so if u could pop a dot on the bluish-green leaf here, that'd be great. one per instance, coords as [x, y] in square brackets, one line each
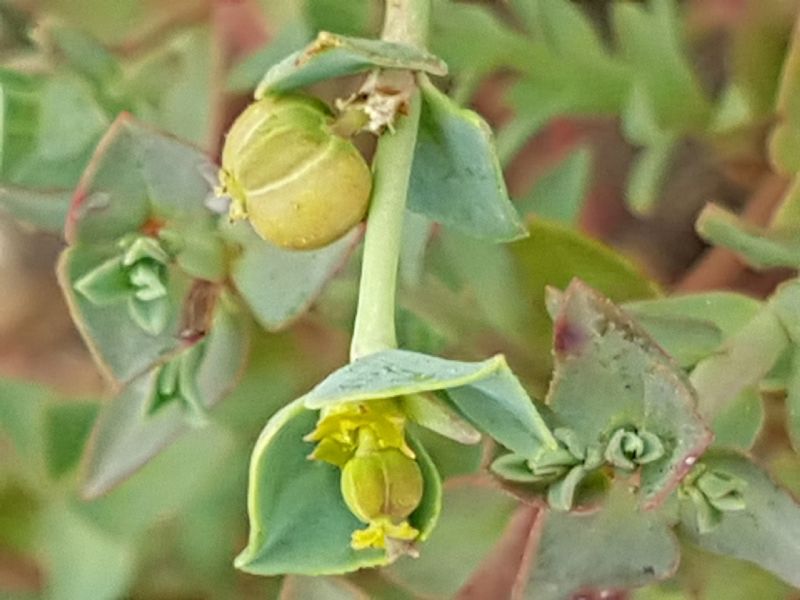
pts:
[456, 178]
[487, 393]
[118, 342]
[39, 210]
[332, 55]
[727, 311]
[766, 532]
[128, 433]
[739, 424]
[279, 285]
[741, 362]
[299, 522]
[685, 339]
[552, 256]
[139, 176]
[66, 428]
[759, 247]
[560, 193]
[616, 548]
[610, 374]
[432, 412]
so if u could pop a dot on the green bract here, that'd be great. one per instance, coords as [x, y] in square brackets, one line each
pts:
[305, 515]
[300, 185]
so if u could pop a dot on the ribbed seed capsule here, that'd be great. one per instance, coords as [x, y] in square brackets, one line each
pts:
[300, 185]
[382, 484]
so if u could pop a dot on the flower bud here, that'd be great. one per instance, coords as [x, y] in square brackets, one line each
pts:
[382, 484]
[300, 185]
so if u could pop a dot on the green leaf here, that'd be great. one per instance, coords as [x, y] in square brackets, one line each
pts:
[729, 312]
[332, 55]
[299, 522]
[128, 433]
[705, 576]
[70, 120]
[151, 316]
[456, 177]
[353, 18]
[489, 276]
[451, 458]
[22, 416]
[173, 88]
[432, 412]
[687, 340]
[559, 194]
[66, 429]
[106, 284]
[553, 255]
[291, 38]
[616, 548]
[739, 424]
[487, 393]
[494, 44]
[297, 587]
[83, 561]
[609, 374]
[170, 485]
[499, 405]
[40, 210]
[766, 532]
[20, 510]
[463, 537]
[139, 177]
[651, 35]
[741, 362]
[83, 53]
[122, 346]
[784, 143]
[793, 401]
[33, 152]
[760, 248]
[576, 44]
[279, 285]
[646, 180]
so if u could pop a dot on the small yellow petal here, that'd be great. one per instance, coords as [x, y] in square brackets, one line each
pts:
[375, 535]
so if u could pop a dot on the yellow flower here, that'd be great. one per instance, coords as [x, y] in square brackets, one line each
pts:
[337, 432]
[381, 482]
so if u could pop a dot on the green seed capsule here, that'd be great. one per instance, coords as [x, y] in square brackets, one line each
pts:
[382, 484]
[300, 185]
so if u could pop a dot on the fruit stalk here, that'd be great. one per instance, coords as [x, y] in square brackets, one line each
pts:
[406, 21]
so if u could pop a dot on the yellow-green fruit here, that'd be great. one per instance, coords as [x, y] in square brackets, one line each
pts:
[382, 484]
[300, 185]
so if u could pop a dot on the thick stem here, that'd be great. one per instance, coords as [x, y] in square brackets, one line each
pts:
[406, 22]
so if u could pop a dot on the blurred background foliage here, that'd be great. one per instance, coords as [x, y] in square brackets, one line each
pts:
[616, 121]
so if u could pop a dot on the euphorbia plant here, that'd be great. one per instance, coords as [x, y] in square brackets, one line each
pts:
[419, 464]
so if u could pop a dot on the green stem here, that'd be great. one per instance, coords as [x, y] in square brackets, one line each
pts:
[406, 22]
